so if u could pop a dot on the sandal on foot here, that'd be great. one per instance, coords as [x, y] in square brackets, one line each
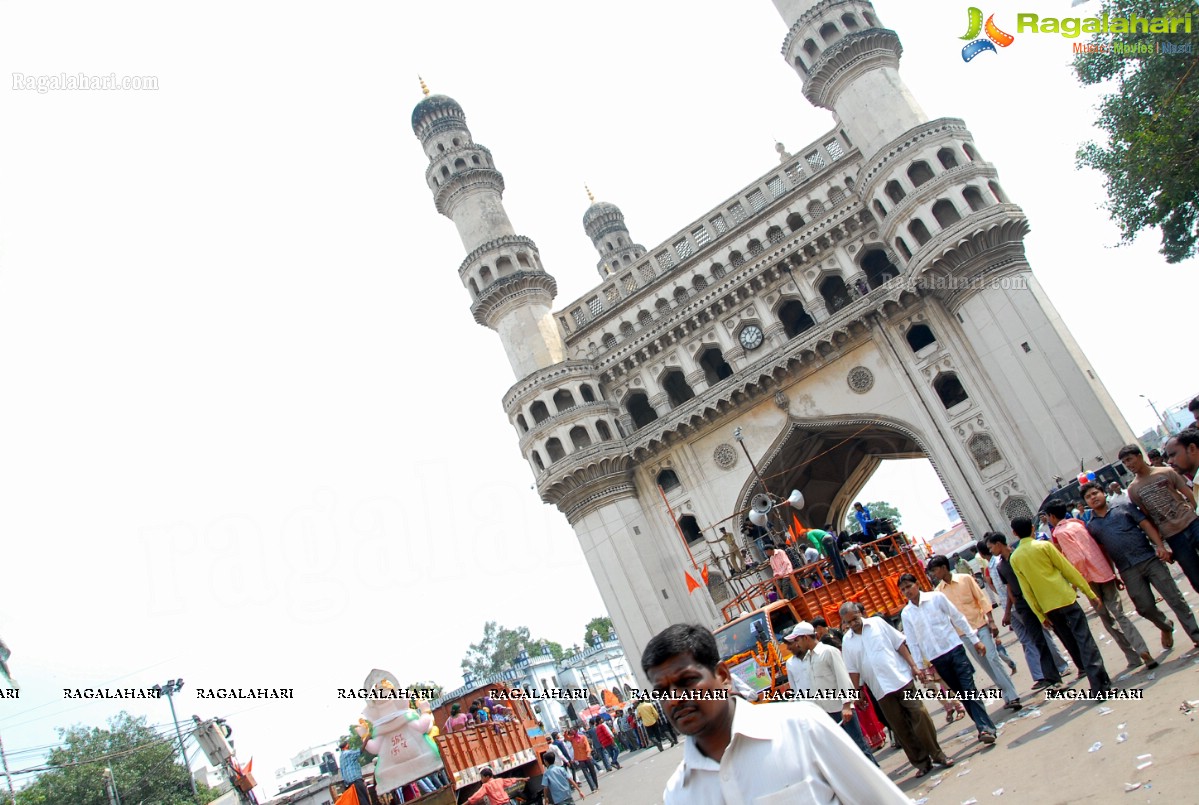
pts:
[923, 772]
[1168, 637]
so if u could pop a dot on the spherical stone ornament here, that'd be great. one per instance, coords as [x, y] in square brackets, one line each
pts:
[725, 456]
[860, 379]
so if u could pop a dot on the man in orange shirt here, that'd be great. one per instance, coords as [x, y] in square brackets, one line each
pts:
[964, 593]
[493, 787]
[582, 749]
[1071, 537]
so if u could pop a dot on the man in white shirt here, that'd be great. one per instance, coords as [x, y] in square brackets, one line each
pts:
[820, 678]
[1116, 495]
[933, 627]
[769, 754]
[875, 653]
[810, 555]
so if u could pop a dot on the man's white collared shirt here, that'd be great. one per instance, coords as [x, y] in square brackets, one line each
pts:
[826, 671]
[781, 753]
[933, 628]
[874, 655]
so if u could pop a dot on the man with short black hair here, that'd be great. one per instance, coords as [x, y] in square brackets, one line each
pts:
[1074, 540]
[826, 635]
[1044, 662]
[964, 593]
[934, 630]
[350, 761]
[1134, 544]
[1048, 582]
[1182, 452]
[739, 752]
[1163, 495]
[557, 782]
[493, 787]
[1156, 459]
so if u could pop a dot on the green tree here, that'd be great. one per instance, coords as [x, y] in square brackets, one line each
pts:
[144, 765]
[1151, 158]
[879, 509]
[499, 647]
[602, 624]
[427, 685]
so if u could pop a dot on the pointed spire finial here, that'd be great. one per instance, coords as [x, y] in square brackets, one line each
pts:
[423, 86]
[590, 195]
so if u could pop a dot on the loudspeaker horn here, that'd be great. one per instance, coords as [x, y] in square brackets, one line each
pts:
[758, 518]
[795, 501]
[760, 503]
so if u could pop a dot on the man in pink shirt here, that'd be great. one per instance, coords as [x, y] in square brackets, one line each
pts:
[1080, 549]
[781, 566]
[493, 787]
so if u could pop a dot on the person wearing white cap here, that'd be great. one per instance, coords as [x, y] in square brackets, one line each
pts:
[818, 674]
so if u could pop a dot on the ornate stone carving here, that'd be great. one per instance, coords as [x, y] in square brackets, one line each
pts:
[860, 380]
[725, 456]
[782, 400]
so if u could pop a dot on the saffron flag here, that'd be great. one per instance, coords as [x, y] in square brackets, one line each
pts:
[350, 797]
[692, 584]
[703, 574]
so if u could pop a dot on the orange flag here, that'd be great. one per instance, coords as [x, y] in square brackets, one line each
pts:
[703, 574]
[350, 797]
[692, 584]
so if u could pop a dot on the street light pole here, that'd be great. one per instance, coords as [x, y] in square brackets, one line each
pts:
[170, 689]
[1160, 418]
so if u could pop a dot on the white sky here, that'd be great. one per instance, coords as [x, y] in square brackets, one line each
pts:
[251, 435]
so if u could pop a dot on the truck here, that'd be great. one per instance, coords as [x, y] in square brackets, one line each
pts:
[766, 610]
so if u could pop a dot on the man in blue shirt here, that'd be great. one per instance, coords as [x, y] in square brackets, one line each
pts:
[351, 771]
[557, 782]
[864, 518]
[1136, 547]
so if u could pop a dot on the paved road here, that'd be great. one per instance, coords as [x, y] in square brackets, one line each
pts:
[1042, 755]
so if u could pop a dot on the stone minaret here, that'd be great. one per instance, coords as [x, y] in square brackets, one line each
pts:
[510, 291]
[604, 224]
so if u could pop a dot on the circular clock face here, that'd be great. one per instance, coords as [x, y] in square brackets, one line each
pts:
[751, 336]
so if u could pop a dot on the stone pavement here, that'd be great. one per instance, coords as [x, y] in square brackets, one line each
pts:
[1051, 752]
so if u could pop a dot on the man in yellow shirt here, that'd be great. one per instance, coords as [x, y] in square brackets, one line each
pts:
[649, 719]
[1048, 582]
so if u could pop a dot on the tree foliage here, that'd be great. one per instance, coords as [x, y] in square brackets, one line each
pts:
[499, 647]
[602, 624]
[1151, 118]
[879, 509]
[144, 763]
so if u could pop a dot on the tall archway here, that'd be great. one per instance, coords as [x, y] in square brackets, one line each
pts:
[678, 391]
[715, 367]
[640, 411]
[794, 318]
[878, 267]
[834, 292]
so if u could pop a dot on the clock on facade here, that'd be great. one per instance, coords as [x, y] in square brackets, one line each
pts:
[751, 336]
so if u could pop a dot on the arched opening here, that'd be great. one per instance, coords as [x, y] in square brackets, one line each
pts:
[815, 208]
[553, 448]
[641, 412]
[503, 266]
[626, 329]
[835, 196]
[563, 400]
[969, 151]
[794, 318]
[717, 271]
[945, 213]
[919, 173]
[485, 275]
[662, 306]
[474, 288]
[880, 209]
[870, 20]
[949, 389]
[645, 318]
[736, 259]
[680, 295]
[835, 295]
[579, 437]
[475, 160]
[699, 283]
[668, 480]
[586, 393]
[878, 267]
[973, 198]
[919, 337]
[903, 249]
[894, 191]
[459, 163]
[522, 423]
[948, 160]
[754, 247]
[715, 367]
[690, 529]
[537, 462]
[676, 388]
[919, 231]
[794, 221]
[539, 412]
[829, 33]
[445, 172]
[774, 234]
[608, 340]
[849, 21]
[523, 259]
[997, 192]
[605, 433]
[809, 47]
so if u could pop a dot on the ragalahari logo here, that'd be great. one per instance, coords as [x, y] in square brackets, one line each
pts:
[994, 35]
